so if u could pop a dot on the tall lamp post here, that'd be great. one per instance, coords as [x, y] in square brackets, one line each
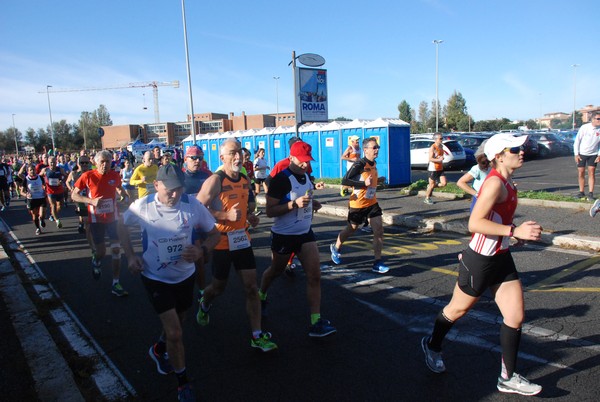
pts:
[574, 90]
[189, 75]
[50, 112]
[15, 133]
[437, 100]
[277, 99]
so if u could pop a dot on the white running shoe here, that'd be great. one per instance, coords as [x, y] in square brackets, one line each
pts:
[595, 208]
[518, 385]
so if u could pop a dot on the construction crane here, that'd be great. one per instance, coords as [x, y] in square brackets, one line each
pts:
[153, 84]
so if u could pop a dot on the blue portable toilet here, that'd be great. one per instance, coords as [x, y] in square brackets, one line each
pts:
[278, 141]
[330, 150]
[393, 162]
[310, 134]
[261, 140]
[212, 153]
[247, 140]
[349, 129]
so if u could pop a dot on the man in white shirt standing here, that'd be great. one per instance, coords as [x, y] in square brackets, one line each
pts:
[587, 154]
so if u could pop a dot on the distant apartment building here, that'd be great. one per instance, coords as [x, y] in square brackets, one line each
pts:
[173, 133]
[586, 113]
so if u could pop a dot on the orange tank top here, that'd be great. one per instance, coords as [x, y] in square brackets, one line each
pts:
[232, 192]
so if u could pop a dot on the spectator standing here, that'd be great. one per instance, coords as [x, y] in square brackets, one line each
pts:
[587, 154]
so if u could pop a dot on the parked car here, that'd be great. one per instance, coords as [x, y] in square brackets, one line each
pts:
[471, 141]
[549, 144]
[454, 154]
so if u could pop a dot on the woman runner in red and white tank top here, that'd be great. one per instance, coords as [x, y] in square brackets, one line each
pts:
[488, 264]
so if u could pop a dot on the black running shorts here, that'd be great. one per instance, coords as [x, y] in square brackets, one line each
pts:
[477, 272]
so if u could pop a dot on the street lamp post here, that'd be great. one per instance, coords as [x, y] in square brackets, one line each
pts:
[437, 100]
[15, 133]
[574, 90]
[50, 112]
[189, 75]
[277, 99]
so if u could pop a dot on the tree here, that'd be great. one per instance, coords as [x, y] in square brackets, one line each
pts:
[423, 116]
[405, 111]
[455, 112]
[531, 124]
[430, 126]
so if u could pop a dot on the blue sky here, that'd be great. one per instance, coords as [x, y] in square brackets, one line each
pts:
[508, 58]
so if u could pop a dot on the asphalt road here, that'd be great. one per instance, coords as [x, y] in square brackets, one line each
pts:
[376, 353]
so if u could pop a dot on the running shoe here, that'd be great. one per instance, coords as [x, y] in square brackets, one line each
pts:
[200, 295]
[257, 212]
[202, 318]
[80, 228]
[590, 197]
[581, 194]
[595, 208]
[58, 224]
[428, 201]
[336, 257]
[433, 359]
[163, 366]
[43, 223]
[380, 268]
[263, 342]
[96, 267]
[2, 208]
[118, 290]
[38, 232]
[518, 385]
[366, 229]
[185, 393]
[51, 218]
[321, 329]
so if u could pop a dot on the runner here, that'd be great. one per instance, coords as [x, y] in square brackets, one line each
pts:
[488, 264]
[55, 181]
[226, 194]
[102, 185]
[290, 202]
[83, 165]
[4, 186]
[143, 176]
[33, 187]
[168, 219]
[363, 205]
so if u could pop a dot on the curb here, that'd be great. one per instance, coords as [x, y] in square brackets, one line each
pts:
[51, 374]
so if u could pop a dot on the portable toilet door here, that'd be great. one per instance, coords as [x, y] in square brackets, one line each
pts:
[310, 135]
[393, 162]
[214, 160]
[330, 153]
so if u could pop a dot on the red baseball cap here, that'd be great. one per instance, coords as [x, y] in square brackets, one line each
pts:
[302, 151]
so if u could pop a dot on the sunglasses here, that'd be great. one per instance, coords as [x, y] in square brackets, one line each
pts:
[514, 150]
[195, 158]
[375, 147]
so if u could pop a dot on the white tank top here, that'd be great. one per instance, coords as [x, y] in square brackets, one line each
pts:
[299, 220]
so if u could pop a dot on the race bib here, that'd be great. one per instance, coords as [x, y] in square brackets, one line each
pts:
[304, 213]
[370, 192]
[35, 188]
[238, 239]
[53, 181]
[105, 206]
[170, 249]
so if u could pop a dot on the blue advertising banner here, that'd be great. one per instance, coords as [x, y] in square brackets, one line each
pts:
[312, 95]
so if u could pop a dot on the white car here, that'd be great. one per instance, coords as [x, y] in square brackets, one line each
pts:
[454, 154]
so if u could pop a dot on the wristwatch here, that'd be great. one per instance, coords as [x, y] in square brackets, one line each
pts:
[294, 204]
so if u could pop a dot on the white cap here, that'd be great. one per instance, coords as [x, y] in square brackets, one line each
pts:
[498, 142]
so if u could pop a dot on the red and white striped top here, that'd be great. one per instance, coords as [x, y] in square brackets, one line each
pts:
[503, 213]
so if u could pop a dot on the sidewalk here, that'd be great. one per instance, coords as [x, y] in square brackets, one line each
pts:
[565, 224]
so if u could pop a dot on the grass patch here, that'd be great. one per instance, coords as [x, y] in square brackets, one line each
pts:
[544, 195]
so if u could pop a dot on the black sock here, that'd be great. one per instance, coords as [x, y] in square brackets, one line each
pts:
[36, 222]
[181, 377]
[440, 329]
[510, 338]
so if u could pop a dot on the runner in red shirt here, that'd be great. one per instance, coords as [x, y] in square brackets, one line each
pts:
[102, 185]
